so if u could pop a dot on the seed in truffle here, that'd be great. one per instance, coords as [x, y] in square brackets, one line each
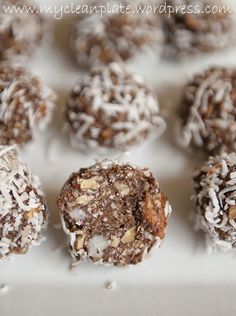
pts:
[209, 111]
[26, 104]
[215, 187]
[115, 37]
[20, 33]
[191, 34]
[113, 213]
[23, 210]
[112, 108]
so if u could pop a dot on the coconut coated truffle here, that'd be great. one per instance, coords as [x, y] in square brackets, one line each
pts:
[26, 104]
[209, 111]
[112, 108]
[113, 213]
[23, 210]
[20, 34]
[215, 187]
[199, 32]
[115, 37]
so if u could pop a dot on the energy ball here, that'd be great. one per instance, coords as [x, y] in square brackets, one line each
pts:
[190, 34]
[20, 33]
[23, 210]
[112, 108]
[209, 111]
[26, 104]
[215, 187]
[113, 213]
[99, 40]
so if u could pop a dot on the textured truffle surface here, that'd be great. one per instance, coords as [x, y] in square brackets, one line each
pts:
[26, 104]
[215, 187]
[196, 33]
[20, 33]
[112, 108]
[113, 213]
[23, 210]
[209, 111]
[115, 37]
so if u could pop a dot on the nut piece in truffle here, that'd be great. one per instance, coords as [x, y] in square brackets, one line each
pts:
[112, 108]
[99, 40]
[20, 33]
[113, 214]
[26, 104]
[23, 210]
[191, 34]
[209, 111]
[215, 187]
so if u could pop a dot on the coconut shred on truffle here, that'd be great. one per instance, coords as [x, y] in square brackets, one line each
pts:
[26, 104]
[215, 187]
[20, 33]
[209, 111]
[112, 108]
[23, 210]
[97, 39]
[188, 34]
[113, 213]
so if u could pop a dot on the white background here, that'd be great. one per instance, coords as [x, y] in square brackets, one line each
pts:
[180, 278]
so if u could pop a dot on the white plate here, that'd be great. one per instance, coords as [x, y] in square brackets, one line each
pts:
[179, 279]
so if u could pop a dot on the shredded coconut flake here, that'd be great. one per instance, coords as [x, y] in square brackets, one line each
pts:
[216, 199]
[118, 111]
[23, 211]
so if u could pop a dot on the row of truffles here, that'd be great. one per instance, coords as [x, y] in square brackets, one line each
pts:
[113, 213]
[20, 34]
[208, 123]
[26, 104]
[108, 108]
[23, 209]
[96, 40]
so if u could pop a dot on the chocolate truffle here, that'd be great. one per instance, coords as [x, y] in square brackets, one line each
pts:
[23, 211]
[209, 111]
[113, 213]
[189, 34]
[215, 187]
[115, 37]
[26, 104]
[112, 108]
[20, 33]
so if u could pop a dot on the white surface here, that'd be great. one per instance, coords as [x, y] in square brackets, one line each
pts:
[179, 279]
